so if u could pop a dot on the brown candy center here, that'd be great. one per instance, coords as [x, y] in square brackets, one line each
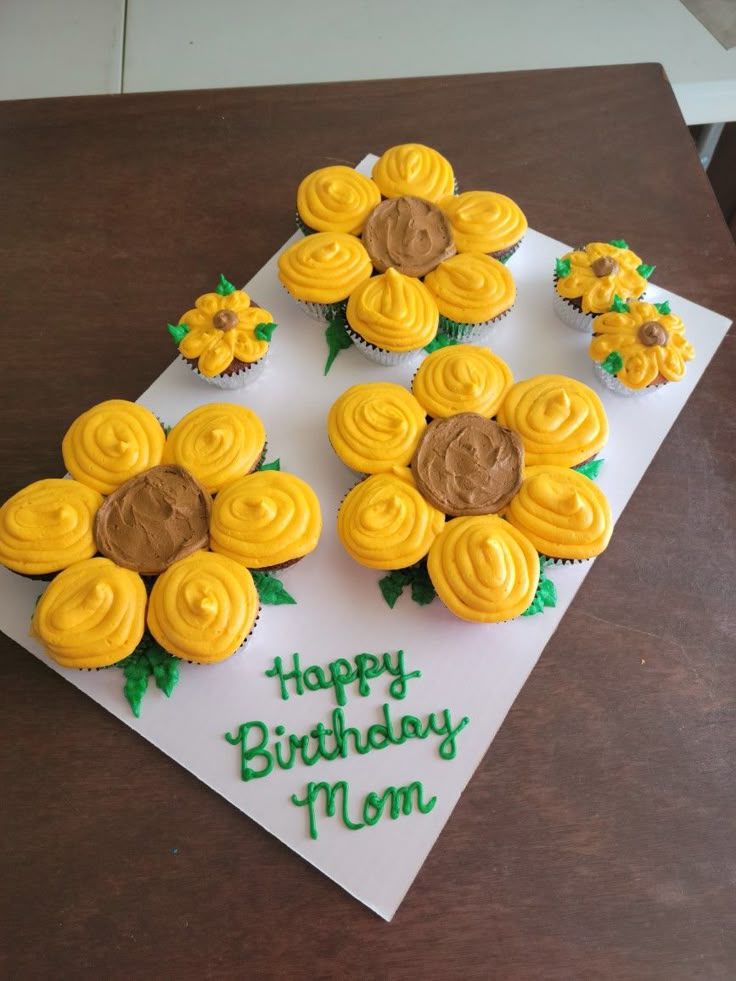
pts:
[604, 266]
[651, 333]
[225, 319]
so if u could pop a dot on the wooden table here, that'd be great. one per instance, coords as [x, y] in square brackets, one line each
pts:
[597, 838]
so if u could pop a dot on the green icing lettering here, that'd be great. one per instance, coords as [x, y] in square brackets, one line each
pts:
[613, 363]
[341, 673]
[224, 287]
[618, 243]
[277, 672]
[337, 339]
[264, 332]
[178, 332]
[314, 678]
[644, 270]
[562, 268]
[397, 688]
[250, 753]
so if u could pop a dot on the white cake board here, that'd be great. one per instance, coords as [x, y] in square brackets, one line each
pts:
[472, 669]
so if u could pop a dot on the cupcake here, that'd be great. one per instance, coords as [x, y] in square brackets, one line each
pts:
[565, 515]
[639, 347]
[375, 427]
[322, 270]
[225, 338]
[473, 292]
[203, 608]
[92, 615]
[461, 378]
[335, 199]
[217, 443]
[408, 234]
[412, 168]
[385, 523]
[266, 521]
[391, 317]
[485, 221]
[111, 442]
[588, 280]
[483, 569]
[47, 526]
[560, 420]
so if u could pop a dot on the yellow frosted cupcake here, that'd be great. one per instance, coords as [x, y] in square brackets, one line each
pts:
[588, 281]
[92, 615]
[217, 443]
[266, 521]
[565, 515]
[639, 347]
[322, 270]
[560, 420]
[112, 442]
[47, 526]
[484, 221]
[375, 427]
[391, 317]
[385, 523]
[203, 608]
[461, 378]
[412, 168]
[472, 292]
[335, 199]
[483, 569]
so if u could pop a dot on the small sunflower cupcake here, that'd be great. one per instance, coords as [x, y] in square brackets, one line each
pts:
[461, 378]
[485, 221]
[412, 168]
[473, 292]
[391, 317]
[225, 338]
[322, 270]
[588, 280]
[639, 347]
[335, 199]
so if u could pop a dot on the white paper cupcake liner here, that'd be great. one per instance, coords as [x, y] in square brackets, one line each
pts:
[381, 355]
[571, 316]
[471, 333]
[611, 382]
[238, 379]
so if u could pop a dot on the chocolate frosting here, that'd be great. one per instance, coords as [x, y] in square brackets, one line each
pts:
[468, 464]
[408, 234]
[154, 519]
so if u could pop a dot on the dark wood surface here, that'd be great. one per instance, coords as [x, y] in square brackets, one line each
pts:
[596, 839]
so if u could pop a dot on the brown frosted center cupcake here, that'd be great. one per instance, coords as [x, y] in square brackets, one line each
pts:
[467, 465]
[408, 234]
[154, 519]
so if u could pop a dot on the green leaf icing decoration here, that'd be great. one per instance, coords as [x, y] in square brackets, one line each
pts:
[337, 339]
[618, 305]
[613, 363]
[273, 465]
[663, 308]
[178, 332]
[644, 270]
[618, 243]
[149, 658]
[136, 669]
[441, 340]
[416, 576]
[167, 430]
[165, 667]
[562, 268]
[546, 595]
[224, 287]
[271, 590]
[590, 469]
[264, 332]
[422, 590]
[392, 585]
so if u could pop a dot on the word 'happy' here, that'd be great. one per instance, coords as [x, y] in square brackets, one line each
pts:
[341, 673]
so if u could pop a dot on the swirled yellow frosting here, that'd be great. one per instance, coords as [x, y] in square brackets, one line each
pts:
[483, 569]
[393, 312]
[471, 288]
[564, 514]
[203, 607]
[47, 526]
[412, 168]
[92, 614]
[112, 442]
[336, 199]
[385, 523]
[375, 426]
[484, 221]
[560, 420]
[325, 267]
[595, 288]
[266, 519]
[652, 345]
[217, 443]
[461, 378]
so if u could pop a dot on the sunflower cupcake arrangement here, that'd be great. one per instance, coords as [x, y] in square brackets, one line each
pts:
[473, 484]
[162, 546]
[392, 260]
